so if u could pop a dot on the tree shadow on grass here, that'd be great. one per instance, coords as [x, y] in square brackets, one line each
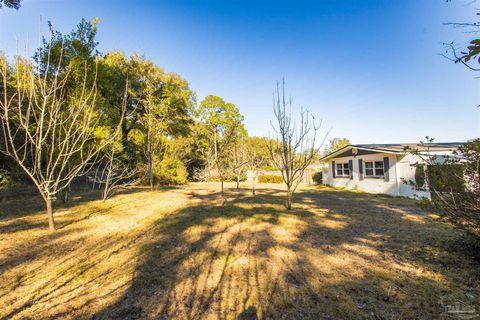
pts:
[331, 257]
[15, 214]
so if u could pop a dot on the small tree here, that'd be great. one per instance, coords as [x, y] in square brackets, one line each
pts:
[294, 146]
[118, 175]
[240, 159]
[256, 159]
[52, 136]
[221, 124]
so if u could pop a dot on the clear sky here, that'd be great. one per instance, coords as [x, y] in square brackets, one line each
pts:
[370, 69]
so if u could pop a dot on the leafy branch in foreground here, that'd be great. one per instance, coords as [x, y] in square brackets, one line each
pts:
[13, 4]
[465, 56]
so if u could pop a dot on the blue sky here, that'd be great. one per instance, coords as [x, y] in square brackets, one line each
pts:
[370, 69]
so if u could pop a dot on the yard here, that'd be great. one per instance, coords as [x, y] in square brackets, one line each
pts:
[178, 253]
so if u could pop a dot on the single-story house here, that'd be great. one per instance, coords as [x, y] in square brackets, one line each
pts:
[382, 168]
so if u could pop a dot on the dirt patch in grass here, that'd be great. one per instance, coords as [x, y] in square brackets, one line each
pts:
[179, 254]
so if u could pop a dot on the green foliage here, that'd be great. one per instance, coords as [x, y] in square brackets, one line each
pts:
[14, 4]
[170, 171]
[470, 56]
[336, 144]
[420, 176]
[221, 119]
[454, 184]
[161, 127]
[317, 177]
[270, 178]
[473, 50]
[446, 177]
[220, 126]
[5, 179]
[73, 51]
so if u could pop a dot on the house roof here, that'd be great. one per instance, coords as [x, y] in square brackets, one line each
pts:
[396, 148]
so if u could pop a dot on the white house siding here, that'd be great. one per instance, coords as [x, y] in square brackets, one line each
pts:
[406, 167]
[401, 172]
[373, 185]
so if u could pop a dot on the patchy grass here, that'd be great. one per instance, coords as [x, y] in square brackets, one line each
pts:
[177, 253]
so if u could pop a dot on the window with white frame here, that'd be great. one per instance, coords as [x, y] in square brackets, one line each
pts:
[343, 170]
[374, 169]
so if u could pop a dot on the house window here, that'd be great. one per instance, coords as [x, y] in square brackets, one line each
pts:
[374, 169]
[343, 170]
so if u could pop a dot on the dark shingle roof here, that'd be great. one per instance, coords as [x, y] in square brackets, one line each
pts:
[400, 147]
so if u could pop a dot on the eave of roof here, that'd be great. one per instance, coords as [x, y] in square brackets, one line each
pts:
[398, 148]
[346, 148]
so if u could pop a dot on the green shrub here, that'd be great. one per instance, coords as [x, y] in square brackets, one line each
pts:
[317, 177]
[420, 177]
[446, 177]
[270, 178]
[5, 180]
[170, 171]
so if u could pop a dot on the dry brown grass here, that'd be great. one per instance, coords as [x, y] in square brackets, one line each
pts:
[178, 254]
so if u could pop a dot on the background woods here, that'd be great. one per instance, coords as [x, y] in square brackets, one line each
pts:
[71, 111]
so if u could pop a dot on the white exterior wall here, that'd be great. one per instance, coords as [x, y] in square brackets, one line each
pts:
[406, 168]
[373, 185]
[401, 172]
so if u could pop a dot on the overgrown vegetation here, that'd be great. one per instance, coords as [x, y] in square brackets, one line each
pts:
[454, 183]
[270, 178]
[317, 177]
[68, 110]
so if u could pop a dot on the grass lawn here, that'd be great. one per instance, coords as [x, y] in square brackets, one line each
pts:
[177, 253]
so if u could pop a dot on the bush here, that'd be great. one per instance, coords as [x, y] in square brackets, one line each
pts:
[317, 177]
[270, 178]
[420, 177]
[455, 185]
[446, 177]
[170, 171]
[5, 180]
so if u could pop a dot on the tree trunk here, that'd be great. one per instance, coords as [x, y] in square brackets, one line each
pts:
[51, 221]
[150, 162]
[66, 194]
[150, 171]
[221, 182]
[150, 154]
[238, 182]
[289, 199]
[253, 188]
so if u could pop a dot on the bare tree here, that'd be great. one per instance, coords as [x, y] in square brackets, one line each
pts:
[240, 159]
[118, 175]
[47, 132]
[255, 163]
[294, 147]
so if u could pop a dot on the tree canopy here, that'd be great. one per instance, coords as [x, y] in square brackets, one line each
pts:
[335, 144]
[14, 4]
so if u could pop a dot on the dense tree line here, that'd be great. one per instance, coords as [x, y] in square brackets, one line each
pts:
[71, 110]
